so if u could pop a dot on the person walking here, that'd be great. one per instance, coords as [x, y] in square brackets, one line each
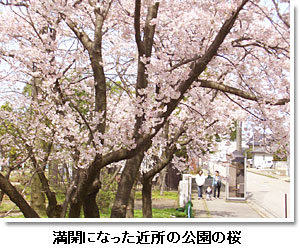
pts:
[200, 180]
[217, 184]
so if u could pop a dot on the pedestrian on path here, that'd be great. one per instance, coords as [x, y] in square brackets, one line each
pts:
[217, 184]
[200, 180]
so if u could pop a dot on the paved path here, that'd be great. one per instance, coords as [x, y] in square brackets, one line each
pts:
[220, 208]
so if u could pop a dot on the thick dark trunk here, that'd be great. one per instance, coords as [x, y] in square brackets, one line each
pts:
[130, 205]
[86, 192]
[17, 198]
[90, 207]
[128, 177]
[7, 178]
[75, 208]
[76, 200]
[1, 196]
[147, 198]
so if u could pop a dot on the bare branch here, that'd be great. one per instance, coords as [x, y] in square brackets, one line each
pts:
[238, 92]
[137, 27]
[80, 34]
[261, 119]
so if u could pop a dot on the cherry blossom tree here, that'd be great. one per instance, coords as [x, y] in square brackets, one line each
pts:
[106, 76]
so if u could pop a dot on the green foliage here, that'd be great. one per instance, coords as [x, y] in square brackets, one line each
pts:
[217, 137]
[233, 131]
[6, 107]
[82, 105]
[279, 156]
[115, 87]
[182, 152]
[107, 193]
[27, 91]
[7, 128]
[249, 153]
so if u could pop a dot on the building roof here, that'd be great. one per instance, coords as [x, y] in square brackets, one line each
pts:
[261, 140]
[260, 150]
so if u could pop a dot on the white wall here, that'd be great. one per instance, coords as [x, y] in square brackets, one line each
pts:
[262, 161]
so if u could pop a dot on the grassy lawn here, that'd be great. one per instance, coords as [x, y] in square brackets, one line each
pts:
[168, 195]
[156, 212]
[7, 206]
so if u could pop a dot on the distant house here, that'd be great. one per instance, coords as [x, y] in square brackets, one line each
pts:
[260, 157]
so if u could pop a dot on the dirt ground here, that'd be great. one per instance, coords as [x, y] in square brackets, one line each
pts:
[158, 203]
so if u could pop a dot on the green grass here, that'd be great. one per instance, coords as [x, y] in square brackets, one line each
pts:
[169, 195]
[156, 213]
[15, 216]
[8, 206]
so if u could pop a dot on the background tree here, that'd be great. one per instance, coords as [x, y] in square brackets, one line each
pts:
[136, 66]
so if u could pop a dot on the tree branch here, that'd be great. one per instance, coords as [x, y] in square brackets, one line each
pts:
[80, 34]
[137, 27]
[261, 119]
[17, 198]
[238, 92]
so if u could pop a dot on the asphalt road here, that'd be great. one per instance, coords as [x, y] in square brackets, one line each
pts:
[269, 193]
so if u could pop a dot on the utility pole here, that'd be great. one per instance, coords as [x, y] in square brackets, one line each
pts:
[239, 136]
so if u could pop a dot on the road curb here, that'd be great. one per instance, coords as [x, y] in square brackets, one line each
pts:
[260, 210]
[283, 178]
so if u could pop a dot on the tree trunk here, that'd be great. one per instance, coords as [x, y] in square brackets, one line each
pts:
[162, 180]
[53, 173]
[7, 178]
[130, 205]
[37, 201]
[67, 172]
[17, 198]
[132, 165]
[75, 199]
[147, 198]
[128, 177]
[90, 206]
[53, 209]
[1, 196]
[69, 194]
[75, 208]
[86, 192]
